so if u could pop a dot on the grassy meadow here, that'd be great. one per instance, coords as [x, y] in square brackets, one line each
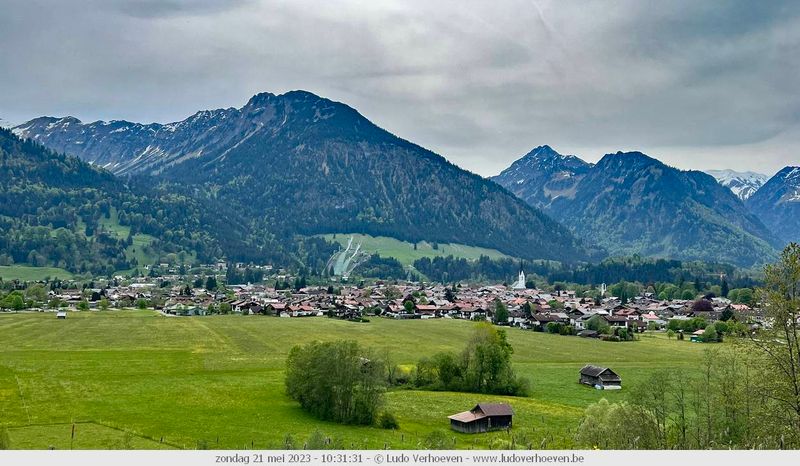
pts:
[136, 379]
[404, 251]
[29, 273]
[140, 240]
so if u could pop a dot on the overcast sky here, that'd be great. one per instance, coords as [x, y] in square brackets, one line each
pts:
[697, 84]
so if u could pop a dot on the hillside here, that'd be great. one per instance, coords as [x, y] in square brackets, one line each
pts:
[630, 203]
[300, 164]
[55, 211]
[777, 204]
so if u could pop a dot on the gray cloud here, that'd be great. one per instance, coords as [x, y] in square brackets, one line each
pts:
[696, 84]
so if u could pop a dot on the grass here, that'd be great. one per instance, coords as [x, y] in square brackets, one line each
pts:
[140, 240]
[30, 273]
[404, 251]
[220, 380]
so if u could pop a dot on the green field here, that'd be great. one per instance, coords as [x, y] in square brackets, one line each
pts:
[133, 378]
[28, 273]
[404, 251]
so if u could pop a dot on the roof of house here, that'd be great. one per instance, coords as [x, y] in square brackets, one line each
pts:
[494, 409]
[603, 372]
[482, 410]
[466, 416]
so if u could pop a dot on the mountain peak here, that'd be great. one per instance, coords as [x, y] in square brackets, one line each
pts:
[633, 160]
[260, 99]
[297, 95]
[542, 175]
[743, 184]
[632, 156]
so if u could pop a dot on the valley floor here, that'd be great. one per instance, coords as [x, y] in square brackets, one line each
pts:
[137, 379]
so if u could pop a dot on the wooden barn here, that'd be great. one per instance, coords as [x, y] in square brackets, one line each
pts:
[483, 418]
[600, 377]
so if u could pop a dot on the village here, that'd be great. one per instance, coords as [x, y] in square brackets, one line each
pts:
[515, 305]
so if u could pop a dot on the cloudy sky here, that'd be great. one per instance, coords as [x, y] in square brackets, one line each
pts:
[696, 84]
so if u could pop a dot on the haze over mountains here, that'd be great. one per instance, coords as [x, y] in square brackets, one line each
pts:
[630, 203]
[300, 164]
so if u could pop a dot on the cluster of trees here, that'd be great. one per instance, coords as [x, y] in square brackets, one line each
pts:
[452, 269]
[714, 332]
[720, 406]
[337, 381]
[235, 276]
[600, 325]
[745, 397]
[559, 328]
[14, 300]
[649, 270]
[484, 366]
[384, 268]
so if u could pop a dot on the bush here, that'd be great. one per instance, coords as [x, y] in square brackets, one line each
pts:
[316, 441]
[425, 373]
[387, 421]
[598, 324]
[289, 443]
[554, 327]
[436, 440]
[616, 426]
[711, 335]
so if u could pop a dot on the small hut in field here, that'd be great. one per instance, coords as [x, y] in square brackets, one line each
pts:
[483, 418]
[601, 378]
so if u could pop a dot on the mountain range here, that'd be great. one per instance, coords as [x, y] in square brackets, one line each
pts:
[290, 166]
[298, 164]
[630, 203]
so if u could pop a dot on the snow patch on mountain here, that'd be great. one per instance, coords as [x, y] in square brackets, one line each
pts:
[743, 184]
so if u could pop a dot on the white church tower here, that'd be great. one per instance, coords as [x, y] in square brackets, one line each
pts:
[520, 285]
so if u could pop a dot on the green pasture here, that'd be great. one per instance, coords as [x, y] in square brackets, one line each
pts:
[404, 251]
[136, 379]
[29, 273]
